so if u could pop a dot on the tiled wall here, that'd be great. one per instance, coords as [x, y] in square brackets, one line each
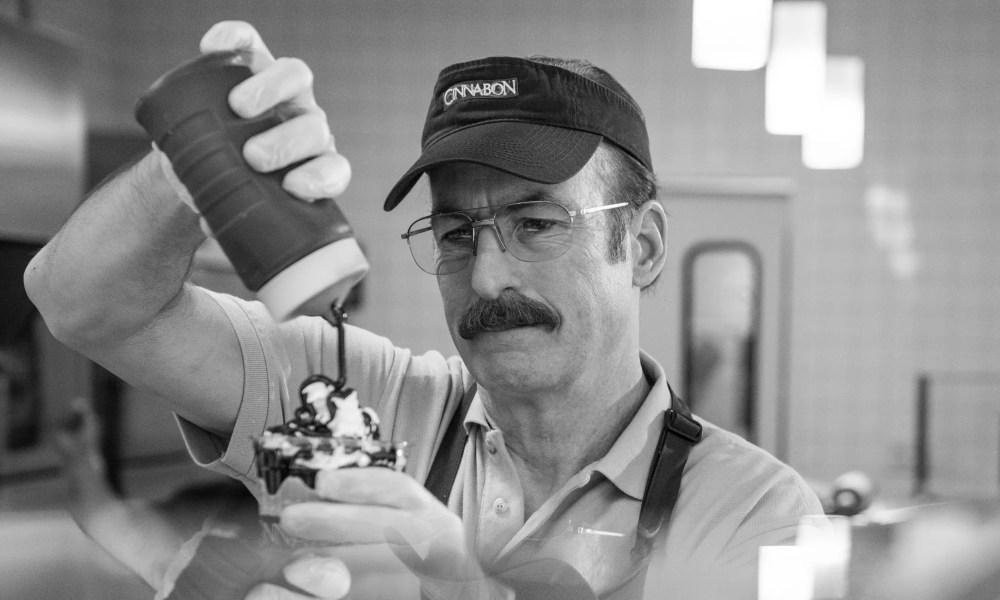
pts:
[860, 334]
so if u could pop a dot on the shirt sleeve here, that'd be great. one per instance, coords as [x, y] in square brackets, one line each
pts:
[735, 499]
[771, 519]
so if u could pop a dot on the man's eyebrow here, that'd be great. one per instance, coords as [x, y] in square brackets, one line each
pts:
[540, 195]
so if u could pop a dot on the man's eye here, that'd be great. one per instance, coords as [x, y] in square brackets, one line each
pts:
[537, 225]
[457, 235]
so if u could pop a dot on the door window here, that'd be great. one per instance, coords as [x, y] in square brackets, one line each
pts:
[721, 324]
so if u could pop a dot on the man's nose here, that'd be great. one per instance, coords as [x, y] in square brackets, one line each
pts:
[491, 265]
[485, 226]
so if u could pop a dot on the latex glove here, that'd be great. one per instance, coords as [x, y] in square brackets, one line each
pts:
[324, 577]
[370, 505]
[304, 137]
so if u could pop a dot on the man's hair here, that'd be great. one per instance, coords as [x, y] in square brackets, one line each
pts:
[625, 178]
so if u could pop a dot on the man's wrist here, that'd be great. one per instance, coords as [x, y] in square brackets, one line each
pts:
[177, 189]
[152, 186]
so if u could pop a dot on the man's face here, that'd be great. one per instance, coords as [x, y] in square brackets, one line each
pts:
[592, 301]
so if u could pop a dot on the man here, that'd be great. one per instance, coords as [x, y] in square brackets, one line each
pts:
[544, 232]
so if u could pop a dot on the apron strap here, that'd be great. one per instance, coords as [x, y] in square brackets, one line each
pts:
[679, 434]
[555, 578]
[444, 469]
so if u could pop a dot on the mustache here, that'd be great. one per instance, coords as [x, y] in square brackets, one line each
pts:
[507, 311]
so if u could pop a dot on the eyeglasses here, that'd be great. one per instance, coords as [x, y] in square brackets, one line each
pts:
[531, 231]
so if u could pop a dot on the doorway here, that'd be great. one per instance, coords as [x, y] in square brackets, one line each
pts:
[718, 319]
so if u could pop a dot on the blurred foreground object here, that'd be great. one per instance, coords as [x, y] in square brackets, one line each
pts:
[948, 552]
[945, 551]
[45, 556]
[929, 552]
[848, 495]
[816, 567]
[144, 536]
[853, 493]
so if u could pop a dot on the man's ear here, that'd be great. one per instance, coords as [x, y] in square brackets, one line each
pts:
[649, 243]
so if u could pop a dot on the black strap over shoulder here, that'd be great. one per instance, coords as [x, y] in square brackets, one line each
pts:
[542, 581]
[679, 434]
[444, 469]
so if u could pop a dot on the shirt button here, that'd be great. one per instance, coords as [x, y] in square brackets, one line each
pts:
[500, 506]
[491, 447]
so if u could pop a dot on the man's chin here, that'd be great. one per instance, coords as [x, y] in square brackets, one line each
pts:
[507, 358]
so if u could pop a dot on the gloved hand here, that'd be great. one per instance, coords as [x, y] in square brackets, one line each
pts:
[369, 506]
[324, 577]
[305, 137]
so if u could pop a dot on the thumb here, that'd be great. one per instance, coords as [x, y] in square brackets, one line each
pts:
[323, 576]
[238, 35]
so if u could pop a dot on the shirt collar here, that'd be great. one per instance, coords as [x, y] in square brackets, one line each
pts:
[627, 463]
[476, 415]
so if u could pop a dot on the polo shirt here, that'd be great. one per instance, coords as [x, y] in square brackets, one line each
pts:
[734, 496]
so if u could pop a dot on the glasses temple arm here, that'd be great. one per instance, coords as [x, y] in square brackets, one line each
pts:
[587, 211]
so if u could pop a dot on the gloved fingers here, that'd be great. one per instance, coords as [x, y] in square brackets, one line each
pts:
[270, 591]
[325, 176]
[383, 505]
[285, 83]
[337, 523]
[284, 80]
[299, 138]
[393, 502]
[383, 487]
[238, 35]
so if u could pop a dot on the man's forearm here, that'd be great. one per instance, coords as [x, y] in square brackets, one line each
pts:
[121, 258]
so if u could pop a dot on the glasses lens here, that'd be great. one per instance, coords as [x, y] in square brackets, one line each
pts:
[535, 231]
[441, 244]
[531, 231]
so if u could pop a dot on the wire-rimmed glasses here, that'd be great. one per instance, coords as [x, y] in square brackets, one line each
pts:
[532, 231]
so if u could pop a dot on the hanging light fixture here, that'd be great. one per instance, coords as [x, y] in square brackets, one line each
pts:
[730, 34]
[795, 78]
[836, 139]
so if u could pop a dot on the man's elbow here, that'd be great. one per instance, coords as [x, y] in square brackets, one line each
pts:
[65, 314]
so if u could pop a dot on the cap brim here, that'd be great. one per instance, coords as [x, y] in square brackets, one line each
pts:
[535, 152]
